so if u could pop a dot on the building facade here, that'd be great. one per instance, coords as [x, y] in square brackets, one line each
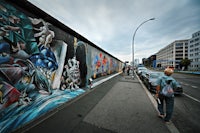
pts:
[194, 51]
[150, 61]
[172, 54]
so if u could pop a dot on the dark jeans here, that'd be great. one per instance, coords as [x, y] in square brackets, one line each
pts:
[169, 101]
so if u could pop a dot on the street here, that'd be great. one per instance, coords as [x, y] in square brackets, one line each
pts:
[190, 83]
[121, 105]
[187, 106]
[118, 105]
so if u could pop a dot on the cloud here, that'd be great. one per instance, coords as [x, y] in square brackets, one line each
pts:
[111, 24]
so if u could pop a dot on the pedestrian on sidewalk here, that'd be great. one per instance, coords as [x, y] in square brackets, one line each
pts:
[124, 69]
[128, 70]
[163, 83]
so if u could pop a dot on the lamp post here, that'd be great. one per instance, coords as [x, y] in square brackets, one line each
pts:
[134, 37]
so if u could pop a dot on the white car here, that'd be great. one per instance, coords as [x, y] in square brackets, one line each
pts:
[140, 69]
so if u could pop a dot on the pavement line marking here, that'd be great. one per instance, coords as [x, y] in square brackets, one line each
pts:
[103, 80]
[170, 126]
[191, 97]
[194, 86]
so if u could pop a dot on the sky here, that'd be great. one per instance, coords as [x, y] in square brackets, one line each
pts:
[111, 24]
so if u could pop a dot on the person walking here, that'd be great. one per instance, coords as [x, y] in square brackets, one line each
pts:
[124, 69]
[165, 93]
[128, 70]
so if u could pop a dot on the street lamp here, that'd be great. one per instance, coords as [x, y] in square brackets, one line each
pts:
[134, 37]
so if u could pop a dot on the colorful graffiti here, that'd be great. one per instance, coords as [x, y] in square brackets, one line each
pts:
[102, 64]
[30, 63]
[41, 68]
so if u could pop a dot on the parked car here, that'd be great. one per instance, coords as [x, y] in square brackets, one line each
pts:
[150, 81]
[143, 74]
[178, 90]
[140, 65]
[140, 69]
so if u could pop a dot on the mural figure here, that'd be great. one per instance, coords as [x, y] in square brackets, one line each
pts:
[4, 53]
[105, 66]
[9, 95]
[96, 65]
[75, 71]
[19, 77]
[32, 59]
[40, 80]
[4, 29]
[18, 51]
[25, 78]
[44, 33]
[100, 65]
[45, 60]
[24, 99]
[71, 75]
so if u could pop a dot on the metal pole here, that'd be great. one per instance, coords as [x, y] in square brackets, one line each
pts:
[134, 37]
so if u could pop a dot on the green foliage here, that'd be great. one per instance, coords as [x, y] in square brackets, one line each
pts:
[185, 63]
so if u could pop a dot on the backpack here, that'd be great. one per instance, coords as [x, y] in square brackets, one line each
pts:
[168, 89]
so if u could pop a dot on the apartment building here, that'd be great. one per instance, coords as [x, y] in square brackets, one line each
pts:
[172, 54]
[194, 51]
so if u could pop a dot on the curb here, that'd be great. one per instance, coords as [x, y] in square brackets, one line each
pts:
[170, 126]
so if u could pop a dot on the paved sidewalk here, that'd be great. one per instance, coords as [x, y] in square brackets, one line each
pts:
[126, 109]
[119, 105]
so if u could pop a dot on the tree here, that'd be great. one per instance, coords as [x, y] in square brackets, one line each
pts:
[185, 63]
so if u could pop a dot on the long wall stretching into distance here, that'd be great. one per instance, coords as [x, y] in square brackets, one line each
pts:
[43, 64]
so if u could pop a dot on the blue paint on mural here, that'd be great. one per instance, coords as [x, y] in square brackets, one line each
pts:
[41, 68]
[45, 59]
[30, 68]
[15, 116]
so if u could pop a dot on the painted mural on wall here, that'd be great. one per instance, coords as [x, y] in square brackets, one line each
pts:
[35, 73]
[102, 64]
[42, 67]
[75, 69]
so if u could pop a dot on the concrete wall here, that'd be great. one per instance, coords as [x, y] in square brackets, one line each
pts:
[43, 64]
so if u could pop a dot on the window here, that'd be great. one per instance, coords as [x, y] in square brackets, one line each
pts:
[179, 58]
[179, 54]
[197, 44]
[179, 44]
